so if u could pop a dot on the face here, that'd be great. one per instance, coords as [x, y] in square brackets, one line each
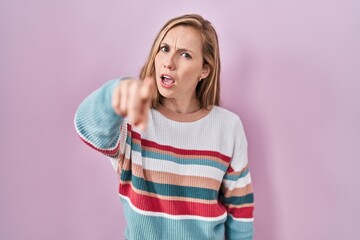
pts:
[179, 64]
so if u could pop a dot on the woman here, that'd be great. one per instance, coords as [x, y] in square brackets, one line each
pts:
[181, 158]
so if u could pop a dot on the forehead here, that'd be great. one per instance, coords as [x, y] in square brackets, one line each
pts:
[183, 37]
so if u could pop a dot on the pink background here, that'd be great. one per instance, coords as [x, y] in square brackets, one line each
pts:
[290, 69]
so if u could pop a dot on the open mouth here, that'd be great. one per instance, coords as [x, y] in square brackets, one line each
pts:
[167, 81]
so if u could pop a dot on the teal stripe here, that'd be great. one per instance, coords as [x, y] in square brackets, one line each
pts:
[168, 189]
[249, 198]
[236, 177]
[236, 230]
[167, 157]
[161, 228]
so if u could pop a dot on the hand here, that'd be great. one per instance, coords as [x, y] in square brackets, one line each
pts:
[132, 98]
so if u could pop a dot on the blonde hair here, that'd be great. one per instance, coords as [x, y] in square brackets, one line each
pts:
[208, 89]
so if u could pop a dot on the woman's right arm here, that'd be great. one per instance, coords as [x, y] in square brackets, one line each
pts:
[96, 122]
[98, 119]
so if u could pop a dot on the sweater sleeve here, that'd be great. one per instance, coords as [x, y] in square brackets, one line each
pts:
[98, 125]
[237, 191]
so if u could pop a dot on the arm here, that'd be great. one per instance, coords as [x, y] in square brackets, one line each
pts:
[96, 122]
[237, 192]
[98, 119]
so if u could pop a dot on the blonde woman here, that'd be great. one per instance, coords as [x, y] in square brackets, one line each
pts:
[181, 158]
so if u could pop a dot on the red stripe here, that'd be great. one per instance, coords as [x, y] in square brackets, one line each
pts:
[245, 212]
[230, 170]
[111, 152]
[173, 207]
[168, 148]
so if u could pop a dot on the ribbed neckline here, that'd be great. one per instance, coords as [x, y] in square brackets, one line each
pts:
[182, 117]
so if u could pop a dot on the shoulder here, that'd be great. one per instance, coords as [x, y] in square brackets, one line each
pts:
[229, 127]
[228, 122]
[226, 116]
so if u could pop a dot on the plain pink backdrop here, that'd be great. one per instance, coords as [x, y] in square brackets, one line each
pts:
[290, 70]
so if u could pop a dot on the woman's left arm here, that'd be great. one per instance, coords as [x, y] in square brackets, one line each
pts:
[237, 191]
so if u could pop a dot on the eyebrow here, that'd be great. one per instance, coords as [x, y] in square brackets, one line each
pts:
[179, 49]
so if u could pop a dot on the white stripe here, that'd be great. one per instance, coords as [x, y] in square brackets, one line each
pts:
[242, 219]
[176, 217]
[241, 182]
[127, 151]
[190, 135]
[171, 167]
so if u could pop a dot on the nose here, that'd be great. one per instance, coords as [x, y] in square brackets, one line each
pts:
[169, 63]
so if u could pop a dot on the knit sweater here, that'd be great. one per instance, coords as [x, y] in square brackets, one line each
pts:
[185, 177]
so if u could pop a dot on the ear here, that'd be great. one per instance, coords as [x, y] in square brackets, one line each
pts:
[205, 71]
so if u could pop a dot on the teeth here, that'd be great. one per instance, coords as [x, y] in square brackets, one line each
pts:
[167, 80]
[167, 77]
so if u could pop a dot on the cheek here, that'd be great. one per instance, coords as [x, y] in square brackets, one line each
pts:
[192, 71]
[157, 62]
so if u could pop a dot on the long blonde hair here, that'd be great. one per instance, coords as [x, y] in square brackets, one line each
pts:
[208, 89]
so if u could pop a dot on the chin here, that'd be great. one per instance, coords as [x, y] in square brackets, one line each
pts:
[166, 93]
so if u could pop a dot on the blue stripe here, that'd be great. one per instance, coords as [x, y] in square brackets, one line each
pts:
[239, 230]
[95, 119]
[154, 228]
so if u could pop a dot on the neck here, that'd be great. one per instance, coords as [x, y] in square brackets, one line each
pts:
[189, 106]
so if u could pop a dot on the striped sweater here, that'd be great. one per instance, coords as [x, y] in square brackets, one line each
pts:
[185, 177]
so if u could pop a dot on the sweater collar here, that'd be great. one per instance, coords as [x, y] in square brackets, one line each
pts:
[182, 117]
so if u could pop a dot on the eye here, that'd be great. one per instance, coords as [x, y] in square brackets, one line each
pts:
[164, 48]
[186, 55]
